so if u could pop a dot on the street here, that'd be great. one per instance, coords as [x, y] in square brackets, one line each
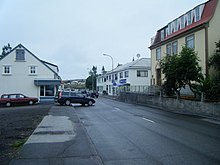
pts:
[132, 134]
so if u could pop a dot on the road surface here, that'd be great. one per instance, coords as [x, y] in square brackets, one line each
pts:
[131, 134]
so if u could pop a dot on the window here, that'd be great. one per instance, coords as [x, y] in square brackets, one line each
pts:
[116, 76]
[142, 73]
[7, 69]
[182, 25]
[110, 77]
[20, 55]
[190, 41]
[162, 34]
[126, 73]
[174, 48]
[168, 51]
[197, 16]
[158, 53]
[33, 70]
[189, 16]
[47, 90]
[121, 74]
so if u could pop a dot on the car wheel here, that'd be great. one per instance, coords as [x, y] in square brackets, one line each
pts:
[67, 102]
[8, 104]
[31, 102]
[90, 103]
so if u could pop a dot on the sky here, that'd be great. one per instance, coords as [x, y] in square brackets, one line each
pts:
[74, 34]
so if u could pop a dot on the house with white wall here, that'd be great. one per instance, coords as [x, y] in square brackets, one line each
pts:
[134, 76]
[23, 72]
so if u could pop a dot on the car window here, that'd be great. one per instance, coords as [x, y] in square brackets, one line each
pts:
[65, 93]
[12, 96]
[20, 96]
[73, 94]
[4, 96]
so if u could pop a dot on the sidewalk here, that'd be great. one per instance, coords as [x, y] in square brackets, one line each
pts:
[59, 139]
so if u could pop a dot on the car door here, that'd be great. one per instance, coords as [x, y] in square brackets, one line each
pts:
[73, 97]
[22, 99]
[13, 99]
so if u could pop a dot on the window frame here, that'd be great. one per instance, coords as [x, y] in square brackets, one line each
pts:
[158, 53]
[188, 40]
[31, 70]
[121, 74]
[168, 48]
[7, 70]
[142, 73]
[175, 42]
[20, 55]
[126, 74]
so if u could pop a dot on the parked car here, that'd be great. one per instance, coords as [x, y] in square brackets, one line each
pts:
[94, 94]
[68, 97]
[17, 99]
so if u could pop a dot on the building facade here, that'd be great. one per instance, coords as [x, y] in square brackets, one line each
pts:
[23, 72]
[134, 76]
[198, 28]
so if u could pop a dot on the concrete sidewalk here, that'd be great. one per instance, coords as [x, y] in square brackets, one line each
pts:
[60, 139]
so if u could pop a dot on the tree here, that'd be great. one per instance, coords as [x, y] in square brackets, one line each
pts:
[91, 80]
[211, 84]
[181, 70]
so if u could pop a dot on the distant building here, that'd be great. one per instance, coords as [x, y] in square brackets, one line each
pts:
[135, 75]
[198, 28]
[23, 72]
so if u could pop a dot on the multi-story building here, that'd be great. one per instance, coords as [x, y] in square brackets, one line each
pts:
[198, 28]
[23, 72]
[135, 75]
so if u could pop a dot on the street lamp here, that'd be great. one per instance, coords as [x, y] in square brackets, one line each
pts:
[110, 57]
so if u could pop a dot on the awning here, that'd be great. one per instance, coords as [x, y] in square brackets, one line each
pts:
[47, 82]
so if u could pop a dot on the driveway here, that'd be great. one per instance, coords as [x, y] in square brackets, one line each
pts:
[16, 125]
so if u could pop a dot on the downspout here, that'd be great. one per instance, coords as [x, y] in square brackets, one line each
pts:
[206, 50]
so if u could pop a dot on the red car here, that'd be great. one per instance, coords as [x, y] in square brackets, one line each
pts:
[17, 99]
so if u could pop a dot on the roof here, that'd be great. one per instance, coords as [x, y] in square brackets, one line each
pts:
[207, 9]
[43, 62]
[143, 63]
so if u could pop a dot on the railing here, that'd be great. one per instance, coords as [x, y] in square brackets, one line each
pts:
[153, 90]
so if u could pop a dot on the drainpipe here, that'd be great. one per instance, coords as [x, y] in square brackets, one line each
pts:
[206, 50]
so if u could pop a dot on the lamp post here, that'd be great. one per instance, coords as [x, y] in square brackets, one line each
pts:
[110, 57]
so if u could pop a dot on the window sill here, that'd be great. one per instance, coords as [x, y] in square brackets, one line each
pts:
[32, 74]
[6, 74]
[20, 61]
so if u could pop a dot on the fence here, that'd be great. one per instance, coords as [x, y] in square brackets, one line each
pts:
[152, 90]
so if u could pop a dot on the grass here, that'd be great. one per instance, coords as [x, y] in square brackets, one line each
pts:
[19, 143]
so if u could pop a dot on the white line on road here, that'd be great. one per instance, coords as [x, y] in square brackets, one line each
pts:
[148, 120]
[118, 109]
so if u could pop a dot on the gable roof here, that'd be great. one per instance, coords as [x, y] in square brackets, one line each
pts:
[139, 63]
[41, 61]
[206, 15]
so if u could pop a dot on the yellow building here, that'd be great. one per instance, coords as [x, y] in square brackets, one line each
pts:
[199, 28]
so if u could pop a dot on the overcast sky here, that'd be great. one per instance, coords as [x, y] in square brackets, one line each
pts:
[74, 34]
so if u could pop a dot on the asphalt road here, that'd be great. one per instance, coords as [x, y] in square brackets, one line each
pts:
[130, 134]
[16, 125]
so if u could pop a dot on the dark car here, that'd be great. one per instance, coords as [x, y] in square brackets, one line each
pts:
[94, 94]
[68, 97]
[17, 99]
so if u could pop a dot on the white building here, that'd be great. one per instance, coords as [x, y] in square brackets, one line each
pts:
[134, 76]
[23, 72]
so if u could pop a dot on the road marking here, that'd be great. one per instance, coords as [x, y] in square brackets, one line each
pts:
[148, 120]
[211, 121]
